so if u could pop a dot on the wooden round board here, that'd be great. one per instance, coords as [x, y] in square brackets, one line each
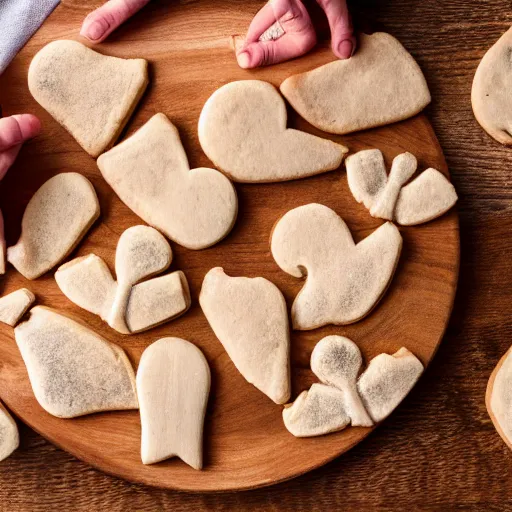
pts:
[246, 443]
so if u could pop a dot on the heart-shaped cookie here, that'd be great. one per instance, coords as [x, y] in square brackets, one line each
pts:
[173, 384]
[150, 173]
[380, 84]
[242, 130]
[249, 317]
[73, 370]
[90, 94]
[344, 280]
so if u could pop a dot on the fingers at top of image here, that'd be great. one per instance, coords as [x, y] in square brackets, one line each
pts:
[342, 34]
[298, 38]
[104, 20]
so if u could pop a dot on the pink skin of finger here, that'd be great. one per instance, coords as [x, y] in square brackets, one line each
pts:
[14, 131]
[104, 20]
[343, 41]
[299, 34]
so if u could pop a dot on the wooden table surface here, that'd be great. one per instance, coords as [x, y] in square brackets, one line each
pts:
[439, 450]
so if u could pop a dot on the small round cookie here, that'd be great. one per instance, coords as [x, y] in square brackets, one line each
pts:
[490, 96]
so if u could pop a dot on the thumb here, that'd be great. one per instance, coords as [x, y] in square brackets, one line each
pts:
[104, 20]
[17, 129]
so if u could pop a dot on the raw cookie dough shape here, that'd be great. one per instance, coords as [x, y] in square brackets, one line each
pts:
[490, 95]
[425, 198]
[15, 305]
[73, 371]
[379, 85]
[344, 280]
[173, 384]
[498, 397]
[150, 173]
[56, 219]
[128, 306]
[9, 435]
[342, 399]
[250, 319]
[242, 130]
[90, 94]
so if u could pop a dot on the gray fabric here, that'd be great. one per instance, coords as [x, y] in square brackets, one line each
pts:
[19, 19]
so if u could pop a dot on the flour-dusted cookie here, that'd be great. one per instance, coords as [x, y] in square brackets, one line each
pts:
[173, 384]
[425, 198]
[337, 361]
[150, 173]
[380, 84]
[387, 381]
[242, 130]
[128, 305]
[343, 398]
[9, 435]
[344, 280]
[56, 218]
[316, 412]
[498, 397]
[141, 253]
[73, 371]
[490, 95]
[90, 94]
[15, 305]
[250, 319]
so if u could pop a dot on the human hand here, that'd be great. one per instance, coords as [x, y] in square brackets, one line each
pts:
[299, 35]
[104, 20]
[14, 131]
[298, 38]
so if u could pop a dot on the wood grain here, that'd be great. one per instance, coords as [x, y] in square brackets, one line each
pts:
[439, 450]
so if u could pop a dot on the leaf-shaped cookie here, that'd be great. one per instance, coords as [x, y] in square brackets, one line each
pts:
[250, 319]
[425, 198]
[73, 370]
[380, 84]
[344, 280]
[126, 306]
[490, 95]
[56, 218]
[242, 130]
[149, 171]
[90, 94]
[9, 435]
[15, 305]
[173, 384]
[316, 412]
[498, 397]
[387, 381]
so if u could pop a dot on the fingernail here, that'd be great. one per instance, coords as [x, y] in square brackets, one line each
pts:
[345, 49]
[243, 59]
[93, 31]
